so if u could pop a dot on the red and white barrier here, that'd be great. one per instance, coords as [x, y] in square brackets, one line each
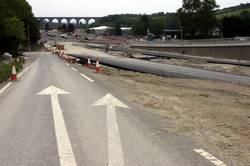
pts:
[61, 54]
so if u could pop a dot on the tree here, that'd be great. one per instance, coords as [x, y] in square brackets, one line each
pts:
[83, 26]
[172, 21]
[157, 25]
[13, 34]
[63, 27]
[198, 17]
[23, 11]
[141, 26]
[117, 30]
[71, 28]
[16, 16]
[233, 26]
[46, 27]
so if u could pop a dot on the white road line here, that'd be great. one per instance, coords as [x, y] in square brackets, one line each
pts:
[65, 152]
[73, 69]
[67, 64]
[210, 157]
[5, 87]
[86, 77]
[20, 74]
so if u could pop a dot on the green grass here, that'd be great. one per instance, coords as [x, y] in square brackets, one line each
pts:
[5, 69]
[224, 13]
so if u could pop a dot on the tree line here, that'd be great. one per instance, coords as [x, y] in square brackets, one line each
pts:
[17, 20]
[63, 28]
[196, 19]
[236, 25]
[242, 6]
[140, 23]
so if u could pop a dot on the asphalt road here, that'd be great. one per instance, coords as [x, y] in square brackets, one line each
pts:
[54, 116]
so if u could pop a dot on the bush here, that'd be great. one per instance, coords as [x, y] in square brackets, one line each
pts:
[5, 72]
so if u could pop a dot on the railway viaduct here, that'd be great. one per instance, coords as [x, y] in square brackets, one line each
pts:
[55, 22]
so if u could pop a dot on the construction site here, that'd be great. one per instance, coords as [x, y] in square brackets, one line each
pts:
[134, 83]
[211, 108]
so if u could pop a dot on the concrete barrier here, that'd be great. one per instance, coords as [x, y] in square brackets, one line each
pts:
[237, 51]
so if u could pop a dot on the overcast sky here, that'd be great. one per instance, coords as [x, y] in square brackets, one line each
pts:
[88, 8]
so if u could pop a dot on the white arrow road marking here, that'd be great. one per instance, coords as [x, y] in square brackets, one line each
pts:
[65, 151]
[67, 64]
[114, 141]
[210, 157]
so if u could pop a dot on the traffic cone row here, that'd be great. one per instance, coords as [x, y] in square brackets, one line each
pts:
[71, 59]
[66, 58]
[54, 51]
[48, 49]
[61, 54]
[57, 51]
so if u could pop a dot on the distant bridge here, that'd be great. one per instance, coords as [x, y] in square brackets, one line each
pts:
[55, 22]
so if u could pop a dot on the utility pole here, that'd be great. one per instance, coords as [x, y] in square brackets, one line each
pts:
[183, 51]
[180, 28]
[28, 35]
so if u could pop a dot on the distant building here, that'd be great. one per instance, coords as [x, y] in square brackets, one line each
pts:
[105, 30]
[126, 31]
[172, 34]
[216, 33]
[101, 30]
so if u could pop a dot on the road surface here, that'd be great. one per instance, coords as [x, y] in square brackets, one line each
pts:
[55, 115]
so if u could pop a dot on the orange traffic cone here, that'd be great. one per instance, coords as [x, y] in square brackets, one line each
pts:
[89, 63]
[98, 68]
[13, 75]
[61, 54]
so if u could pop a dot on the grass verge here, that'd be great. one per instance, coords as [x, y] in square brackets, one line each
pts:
[5, 69]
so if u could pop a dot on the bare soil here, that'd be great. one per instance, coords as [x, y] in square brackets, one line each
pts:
[202, 64]
[215, 114]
